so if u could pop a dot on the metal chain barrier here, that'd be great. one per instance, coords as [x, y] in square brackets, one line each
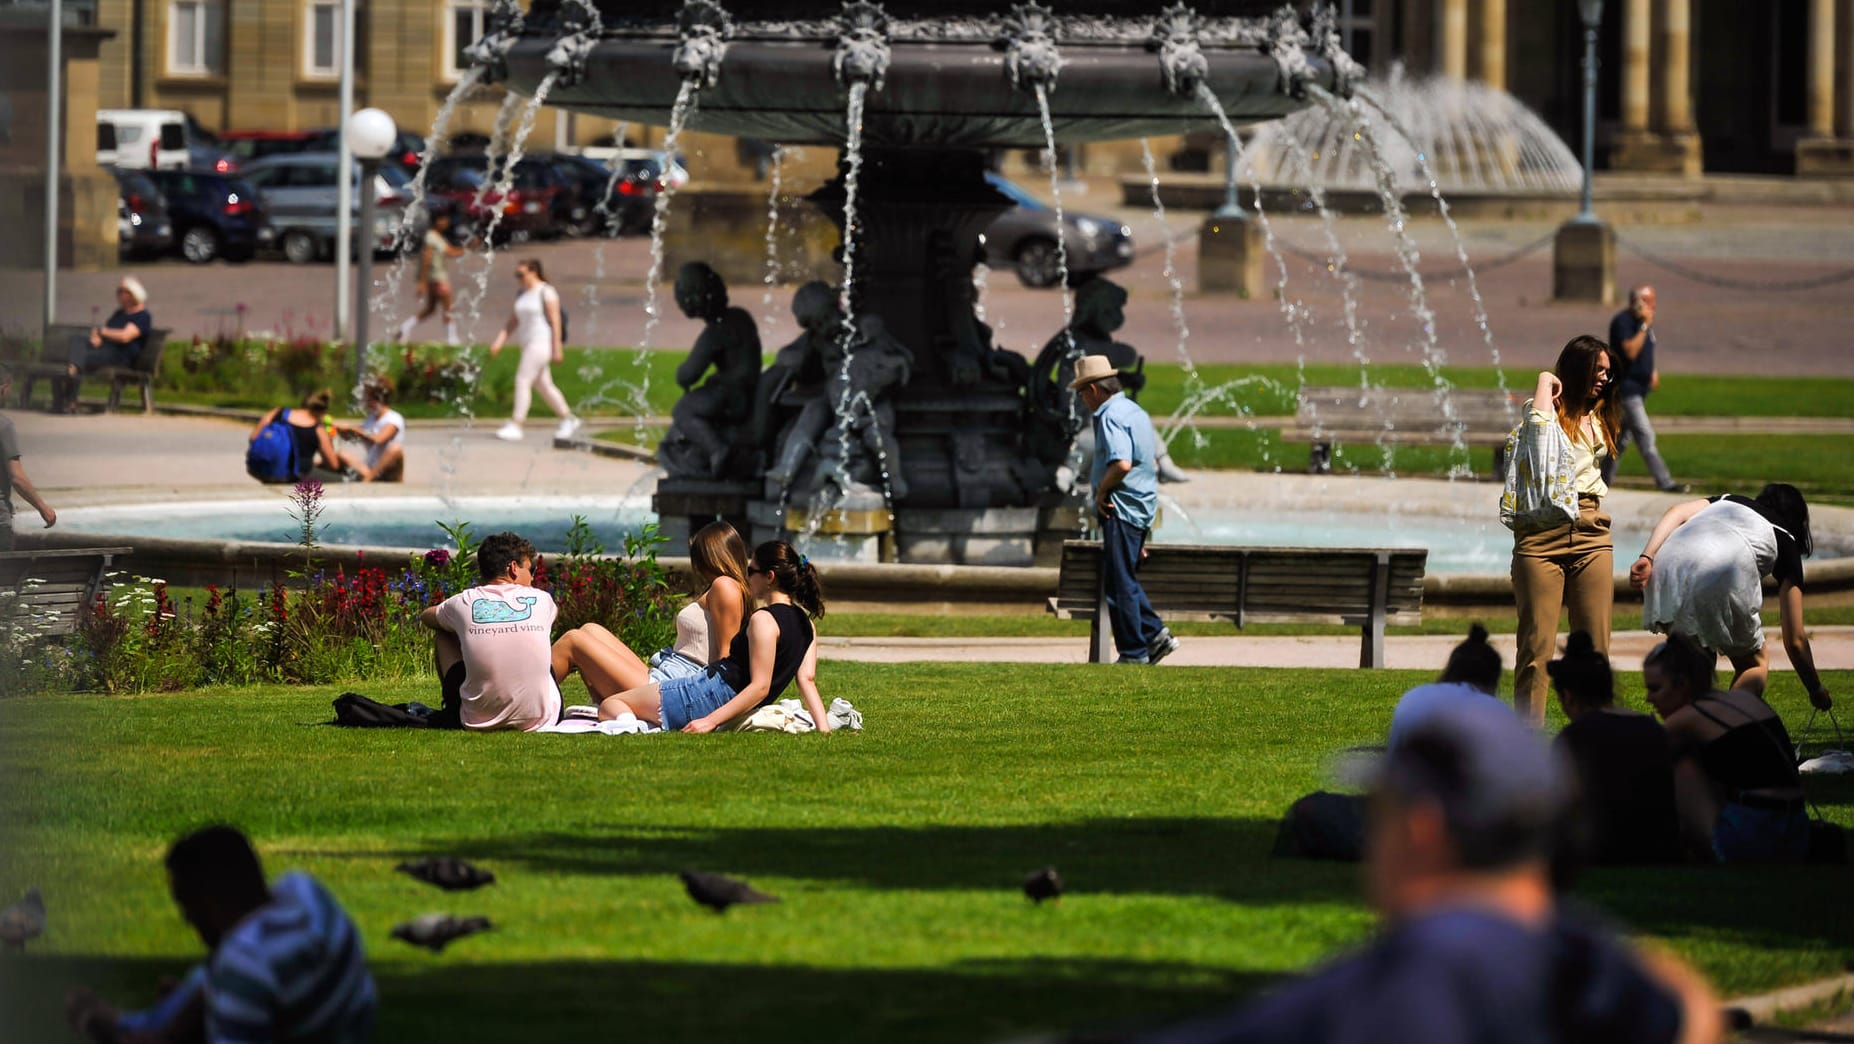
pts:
[1772, 286]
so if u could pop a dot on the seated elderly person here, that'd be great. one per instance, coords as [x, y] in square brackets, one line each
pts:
[116, 343]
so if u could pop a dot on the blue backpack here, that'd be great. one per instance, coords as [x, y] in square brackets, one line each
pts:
[272, 456]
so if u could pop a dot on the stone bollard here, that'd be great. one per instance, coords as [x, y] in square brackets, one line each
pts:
[1583, 262]
[1229, 255]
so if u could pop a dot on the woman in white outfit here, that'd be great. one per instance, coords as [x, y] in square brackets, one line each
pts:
[536, 325]
[705, 628]
[1703, 574]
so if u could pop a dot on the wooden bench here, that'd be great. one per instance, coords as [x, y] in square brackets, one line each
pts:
[1401, 416]
[1367, 587]
[53, 587]
[142, 375]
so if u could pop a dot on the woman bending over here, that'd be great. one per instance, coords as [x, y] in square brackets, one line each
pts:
[778, 646]
[704, 628]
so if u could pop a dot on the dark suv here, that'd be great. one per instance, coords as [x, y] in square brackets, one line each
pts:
[214, 215]
[537, 205]
[143, 228]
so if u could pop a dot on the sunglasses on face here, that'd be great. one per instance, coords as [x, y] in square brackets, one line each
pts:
[757, 571]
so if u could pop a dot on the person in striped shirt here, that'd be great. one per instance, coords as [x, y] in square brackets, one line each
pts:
[285, 962]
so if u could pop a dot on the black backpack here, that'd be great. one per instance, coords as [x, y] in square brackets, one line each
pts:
[356, 711]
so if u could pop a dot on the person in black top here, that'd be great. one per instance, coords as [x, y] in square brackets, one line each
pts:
[309, 431]
[776, 647]
[118, 342]
[1631, 336]
[1735, 779]
[1703, 572]
[1624, 810]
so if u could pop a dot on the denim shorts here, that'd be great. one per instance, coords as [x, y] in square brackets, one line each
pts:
[686, 699]
[1745, 834]
[668, 664]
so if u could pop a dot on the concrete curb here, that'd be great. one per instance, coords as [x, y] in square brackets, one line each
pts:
[1765, 1007]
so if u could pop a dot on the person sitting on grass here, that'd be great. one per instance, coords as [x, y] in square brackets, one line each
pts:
[1735, 781]
[1476, 945]
[491, 643]
[1625, 766]
[383, 433]
[1472, 674]
[284, 963]
[309, 433]
[705, 628]
[777, 646]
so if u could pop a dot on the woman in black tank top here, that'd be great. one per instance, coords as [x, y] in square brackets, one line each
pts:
[1735, 780]
[776, 646]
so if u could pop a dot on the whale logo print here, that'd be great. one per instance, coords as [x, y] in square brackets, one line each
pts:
[495, 611]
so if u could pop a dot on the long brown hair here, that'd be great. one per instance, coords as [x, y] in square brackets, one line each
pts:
[716, 550]
[1576, 369]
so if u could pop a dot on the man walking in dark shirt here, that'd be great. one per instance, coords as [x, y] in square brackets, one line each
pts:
[1631, 342]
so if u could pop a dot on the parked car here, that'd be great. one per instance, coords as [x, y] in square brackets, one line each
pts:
[150, 138]
[536, 204]
[214, 215]
[645, 174]
[1024, 238]
[249, 145]
[406, 150]
[143, 228]
[301, 195]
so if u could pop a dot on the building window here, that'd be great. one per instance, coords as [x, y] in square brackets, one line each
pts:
[464, 24]
[1357, 26]
[196, 37]
[322, 39]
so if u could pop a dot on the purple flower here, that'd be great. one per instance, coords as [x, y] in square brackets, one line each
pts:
[437, 558]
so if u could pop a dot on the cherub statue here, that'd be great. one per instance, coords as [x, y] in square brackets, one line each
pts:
[860, 414]
[801, 366]
[695, 447]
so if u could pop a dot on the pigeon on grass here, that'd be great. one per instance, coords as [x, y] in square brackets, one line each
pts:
[435, 931]
[23, 921]
[448, 872]
[1043, 884]
[718, 893]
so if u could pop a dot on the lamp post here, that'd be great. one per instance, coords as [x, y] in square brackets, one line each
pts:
[54, 125]
[1591, 11]
[371, 133]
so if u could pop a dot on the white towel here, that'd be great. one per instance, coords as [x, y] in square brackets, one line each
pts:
[790, 716]
[626, 724]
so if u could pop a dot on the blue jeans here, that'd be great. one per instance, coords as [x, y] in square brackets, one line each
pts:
[1135, 623]
[1636, 426]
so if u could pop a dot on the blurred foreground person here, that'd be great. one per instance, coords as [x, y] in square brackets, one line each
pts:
[284, 960]
[1476, 947]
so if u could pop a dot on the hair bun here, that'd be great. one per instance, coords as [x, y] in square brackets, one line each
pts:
[1477, 634]
[1579, 643]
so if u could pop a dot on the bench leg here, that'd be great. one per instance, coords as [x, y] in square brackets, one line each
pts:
[1371, 647]
[115, 397]
[147, 396]
[1320, 459]
[1100, 635]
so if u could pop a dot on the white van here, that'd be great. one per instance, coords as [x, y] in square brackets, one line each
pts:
[163, 139]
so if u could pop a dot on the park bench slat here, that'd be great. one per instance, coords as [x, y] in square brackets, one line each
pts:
[52, 587]
[1328, 415]
[142, 375]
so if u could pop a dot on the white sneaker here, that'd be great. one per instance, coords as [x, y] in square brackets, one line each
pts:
[510, 432]
[568, 428]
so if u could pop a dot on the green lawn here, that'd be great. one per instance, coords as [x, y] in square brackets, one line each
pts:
[898, 853]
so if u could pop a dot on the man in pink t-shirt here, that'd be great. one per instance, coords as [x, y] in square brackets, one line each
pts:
[494, 643]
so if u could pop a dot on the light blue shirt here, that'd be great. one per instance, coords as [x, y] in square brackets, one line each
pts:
[1122, 431]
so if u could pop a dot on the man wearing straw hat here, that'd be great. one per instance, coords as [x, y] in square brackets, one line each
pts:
[1126, 494]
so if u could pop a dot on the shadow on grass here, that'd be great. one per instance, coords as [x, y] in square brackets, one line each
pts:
[454, 1001]
[1219, 858]
[1829, 790]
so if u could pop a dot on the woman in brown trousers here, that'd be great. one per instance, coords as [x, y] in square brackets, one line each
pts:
[1564, 558]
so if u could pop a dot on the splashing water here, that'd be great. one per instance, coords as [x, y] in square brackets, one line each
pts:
[504, 184]
[1170, 270]
[776, 172]
[1291, 310]
[384, 298]
[498, 147]
[1408, 256]
[608, 227]
[1461, 247]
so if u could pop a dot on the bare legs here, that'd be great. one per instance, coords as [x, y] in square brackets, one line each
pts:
[645, 702]
[1750, 670]
[607, 664]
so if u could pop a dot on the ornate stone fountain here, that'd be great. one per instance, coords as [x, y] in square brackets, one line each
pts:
[938, 83]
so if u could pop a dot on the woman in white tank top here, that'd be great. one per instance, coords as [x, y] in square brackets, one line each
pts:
[704, 628]
[538, 327]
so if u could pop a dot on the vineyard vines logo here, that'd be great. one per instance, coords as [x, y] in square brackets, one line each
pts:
[492, 611]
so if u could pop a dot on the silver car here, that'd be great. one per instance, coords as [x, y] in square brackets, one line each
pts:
[1024, 238]
[300, 192]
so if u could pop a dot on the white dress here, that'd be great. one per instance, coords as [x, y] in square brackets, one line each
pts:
[1708, 578]
[532, 330]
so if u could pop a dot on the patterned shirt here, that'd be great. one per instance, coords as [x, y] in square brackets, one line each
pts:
[292, 971]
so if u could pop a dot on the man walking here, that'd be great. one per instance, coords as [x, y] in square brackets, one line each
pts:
[1631, 341]
[13, 473]
[1126, 494]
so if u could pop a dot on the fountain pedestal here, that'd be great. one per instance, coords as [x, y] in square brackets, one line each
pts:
[684, 505]
[1229, 256]
[1583, 262]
